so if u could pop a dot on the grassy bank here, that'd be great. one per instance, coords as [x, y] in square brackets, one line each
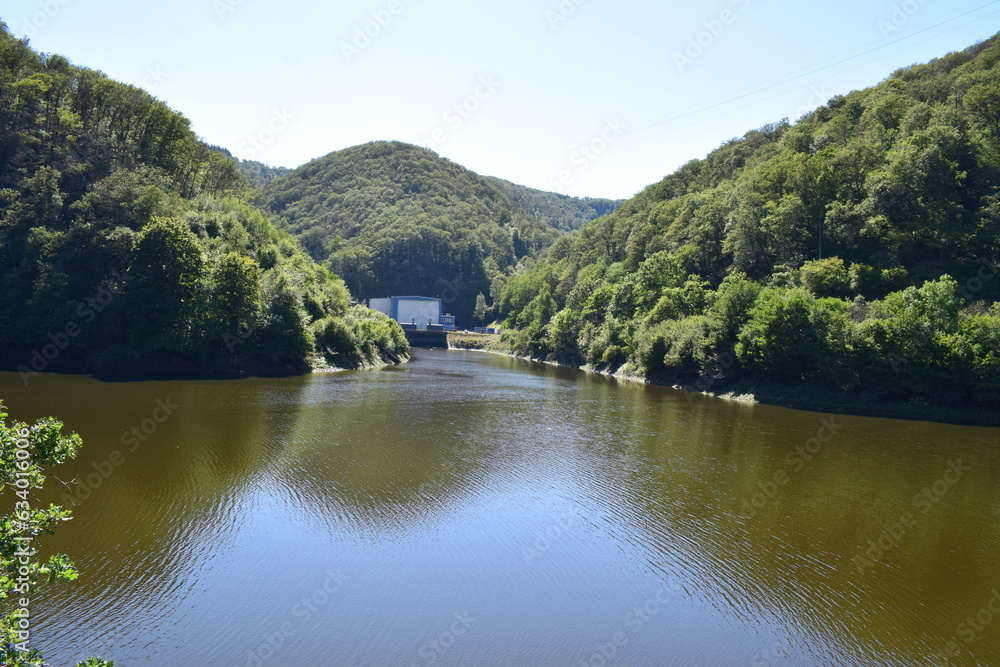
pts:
[463, 340]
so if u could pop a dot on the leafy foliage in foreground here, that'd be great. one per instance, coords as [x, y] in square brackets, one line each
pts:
[120, 230]
[25, 452]
[855, 249]
[395, 219]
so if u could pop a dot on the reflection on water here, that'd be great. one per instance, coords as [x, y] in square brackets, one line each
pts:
[472, 509]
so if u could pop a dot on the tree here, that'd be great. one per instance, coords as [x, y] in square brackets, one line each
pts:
[878, 191]
[904, 341]
[166, 273]
[826, 277]
[983, 102]
[40, 204]
[118, 224]
[481, 310]
[562, 338]
[24, 451]
[287, 335]
[780, 340]
[237, 298]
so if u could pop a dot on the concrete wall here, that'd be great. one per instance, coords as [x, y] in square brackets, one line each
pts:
[381, 305]
[427, 339]
[422, 312]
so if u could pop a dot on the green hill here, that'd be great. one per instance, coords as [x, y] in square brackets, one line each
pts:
[560, 211]
[392, 218]
[854, 250]
[257, 174]
[126, 243]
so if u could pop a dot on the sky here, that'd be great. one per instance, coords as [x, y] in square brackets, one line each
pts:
[583, 97]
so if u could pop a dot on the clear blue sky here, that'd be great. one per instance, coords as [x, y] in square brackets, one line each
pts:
[534, 81]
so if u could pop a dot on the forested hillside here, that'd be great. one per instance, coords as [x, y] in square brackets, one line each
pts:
[855, 249]
[124, 240]
[560, 211]
[392, 218]
[257, 173]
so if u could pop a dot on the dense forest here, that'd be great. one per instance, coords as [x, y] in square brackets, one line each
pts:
[855, 250]
[393, 219]
[124, 241]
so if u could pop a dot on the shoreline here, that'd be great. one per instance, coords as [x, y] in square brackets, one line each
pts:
[809, 398]
[125, 365]
[130, 366]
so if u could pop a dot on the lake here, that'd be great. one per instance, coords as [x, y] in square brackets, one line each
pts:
[472, 509]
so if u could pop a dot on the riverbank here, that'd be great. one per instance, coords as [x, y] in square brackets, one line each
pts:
[465, 340]
[821, 399]
[797, 397]
[129, 365]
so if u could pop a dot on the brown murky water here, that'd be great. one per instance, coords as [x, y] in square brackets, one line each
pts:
[468, 509]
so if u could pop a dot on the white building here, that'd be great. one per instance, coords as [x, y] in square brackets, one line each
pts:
[421, 311]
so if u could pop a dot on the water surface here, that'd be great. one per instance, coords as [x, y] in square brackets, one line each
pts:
[473, 509]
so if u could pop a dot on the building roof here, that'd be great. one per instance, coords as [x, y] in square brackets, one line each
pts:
[415, 298]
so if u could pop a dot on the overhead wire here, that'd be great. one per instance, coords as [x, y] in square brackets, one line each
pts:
[750, 104]
[774, 82]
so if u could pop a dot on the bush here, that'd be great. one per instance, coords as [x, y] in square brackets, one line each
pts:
[982, 335]
[375, 333]
[609, 345]
[826, 277]
[676, 345]
[651, 347]
[780, 340]
[563, 331]
[730, 311]
[333, 336]
[876, 283]
[903, 345]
